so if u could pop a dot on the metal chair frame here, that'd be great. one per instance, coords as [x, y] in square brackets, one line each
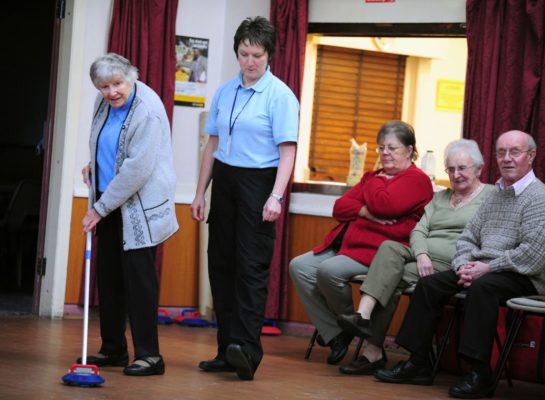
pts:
[356, 279]
[521, 307]
[441, 345]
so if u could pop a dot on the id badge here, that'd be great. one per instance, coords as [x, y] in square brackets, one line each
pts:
[228, 146]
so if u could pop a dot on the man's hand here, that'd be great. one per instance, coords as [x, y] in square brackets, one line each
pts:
[471, 271]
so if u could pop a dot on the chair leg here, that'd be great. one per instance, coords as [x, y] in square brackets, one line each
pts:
[358, 349]
[311, 344]
[508, 345]
[506, 369]
[443, 343]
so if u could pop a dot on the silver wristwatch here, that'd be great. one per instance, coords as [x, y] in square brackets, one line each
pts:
[277, 197]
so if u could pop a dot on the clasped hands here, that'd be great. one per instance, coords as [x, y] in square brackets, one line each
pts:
[471, 271]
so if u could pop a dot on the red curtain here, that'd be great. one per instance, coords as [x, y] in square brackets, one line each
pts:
[290, 18]
[504, 85]
[144, 32]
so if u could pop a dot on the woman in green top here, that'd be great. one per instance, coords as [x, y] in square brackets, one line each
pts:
[433, 243]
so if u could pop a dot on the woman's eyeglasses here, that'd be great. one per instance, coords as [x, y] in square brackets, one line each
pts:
[388, 149]
[461, 169]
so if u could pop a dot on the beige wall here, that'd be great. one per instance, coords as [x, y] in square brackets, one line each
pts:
[429, 60]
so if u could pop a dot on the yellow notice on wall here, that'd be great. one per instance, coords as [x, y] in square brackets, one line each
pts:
[449, 96]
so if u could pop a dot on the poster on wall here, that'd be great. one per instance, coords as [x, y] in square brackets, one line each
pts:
[191, 71]
[449, 96]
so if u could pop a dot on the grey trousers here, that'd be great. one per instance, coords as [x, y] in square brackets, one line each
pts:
[393, 270]
[322, 283]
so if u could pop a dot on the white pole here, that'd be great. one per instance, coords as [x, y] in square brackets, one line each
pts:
[86, 296]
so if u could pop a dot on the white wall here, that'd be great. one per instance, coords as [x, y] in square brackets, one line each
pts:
[95, 42]
[358, 11]
[435, 129]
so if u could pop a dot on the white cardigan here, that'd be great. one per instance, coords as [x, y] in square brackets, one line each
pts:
[145, 182]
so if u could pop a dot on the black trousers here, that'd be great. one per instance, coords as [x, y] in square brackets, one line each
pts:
[240, 249]
[127, 284]
[480, 315]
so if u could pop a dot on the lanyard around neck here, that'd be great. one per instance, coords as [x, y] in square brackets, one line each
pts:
[232, 124]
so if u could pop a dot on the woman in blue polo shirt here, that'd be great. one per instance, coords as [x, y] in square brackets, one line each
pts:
[249, 157]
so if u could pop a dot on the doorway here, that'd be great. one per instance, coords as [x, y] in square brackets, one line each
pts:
[27, 61]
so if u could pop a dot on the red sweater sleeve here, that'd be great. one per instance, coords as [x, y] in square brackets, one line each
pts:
[347, 207]
[399, 196]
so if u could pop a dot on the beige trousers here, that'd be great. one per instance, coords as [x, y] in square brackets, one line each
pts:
[392, 271]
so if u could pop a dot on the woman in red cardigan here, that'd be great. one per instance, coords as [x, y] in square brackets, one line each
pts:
[385, 204]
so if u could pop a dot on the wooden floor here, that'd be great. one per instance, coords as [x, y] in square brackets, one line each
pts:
[35, 353]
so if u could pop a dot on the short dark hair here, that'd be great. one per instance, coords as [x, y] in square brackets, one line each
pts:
[403, 132]
[258, 31]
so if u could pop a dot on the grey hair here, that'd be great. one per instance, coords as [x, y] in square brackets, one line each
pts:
[106, 67]
[469, 146]
[531, 142]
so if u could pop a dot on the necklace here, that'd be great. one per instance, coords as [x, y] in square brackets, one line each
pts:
[465, 199]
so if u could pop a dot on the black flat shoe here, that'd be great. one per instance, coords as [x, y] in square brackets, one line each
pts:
[405, 372]
[362, 366]
[111, 360]
[355, 325]
[339, 346]
[474, 385]
[216, 365]
[244, 366]
[153, 367]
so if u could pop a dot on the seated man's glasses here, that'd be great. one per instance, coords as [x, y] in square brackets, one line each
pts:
[501, 153]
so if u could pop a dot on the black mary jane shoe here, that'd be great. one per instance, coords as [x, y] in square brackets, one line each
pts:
[110, 360]
[153, 367]
[217, 364]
